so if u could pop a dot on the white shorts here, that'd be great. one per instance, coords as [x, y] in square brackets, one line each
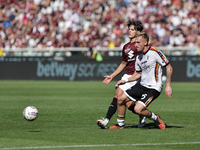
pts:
[127, 85]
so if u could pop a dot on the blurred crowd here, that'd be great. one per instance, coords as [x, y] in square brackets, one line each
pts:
[97, 23]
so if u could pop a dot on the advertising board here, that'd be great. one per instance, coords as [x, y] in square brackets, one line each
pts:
[185, 68]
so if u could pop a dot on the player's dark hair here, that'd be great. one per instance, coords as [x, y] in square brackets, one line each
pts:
[137, 24]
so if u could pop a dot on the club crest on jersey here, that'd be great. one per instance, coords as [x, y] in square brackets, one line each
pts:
[127, 50]
[140, 56]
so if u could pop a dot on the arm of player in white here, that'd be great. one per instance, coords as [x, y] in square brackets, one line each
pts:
[168, 89]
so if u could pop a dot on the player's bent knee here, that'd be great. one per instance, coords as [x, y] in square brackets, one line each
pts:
[137, 110]
[121, 100]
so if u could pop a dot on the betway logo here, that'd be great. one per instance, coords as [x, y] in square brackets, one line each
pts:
[193, 70]
[55, 69]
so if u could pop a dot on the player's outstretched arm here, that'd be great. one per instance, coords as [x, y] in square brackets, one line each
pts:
[168, 89]
[107, 79]
[119, 69]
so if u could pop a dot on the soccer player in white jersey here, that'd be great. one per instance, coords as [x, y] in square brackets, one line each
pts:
[148, 66]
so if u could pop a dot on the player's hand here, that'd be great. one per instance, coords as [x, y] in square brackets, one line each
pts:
[107, 79]
[120, 82]
[168, 91]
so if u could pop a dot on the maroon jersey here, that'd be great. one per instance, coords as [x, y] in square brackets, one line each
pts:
[129, 55]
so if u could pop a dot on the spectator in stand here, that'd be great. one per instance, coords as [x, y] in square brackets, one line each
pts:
[26, 23]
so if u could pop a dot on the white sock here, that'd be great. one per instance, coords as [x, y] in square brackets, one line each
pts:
[120, 120]
[153, 117]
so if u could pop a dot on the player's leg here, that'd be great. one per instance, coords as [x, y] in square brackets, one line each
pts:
[142, 119]
[103, 123]
[130, 105]
[141, 109]
[121, 110]
[113, 106]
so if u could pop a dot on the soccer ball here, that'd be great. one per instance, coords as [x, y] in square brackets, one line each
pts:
[164, 79]
[30, 113]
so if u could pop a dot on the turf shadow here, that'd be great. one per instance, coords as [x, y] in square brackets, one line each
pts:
[152, 126]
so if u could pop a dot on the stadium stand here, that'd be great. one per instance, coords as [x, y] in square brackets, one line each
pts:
[42, 24]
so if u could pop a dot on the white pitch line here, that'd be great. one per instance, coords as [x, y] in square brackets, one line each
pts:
[101, 145]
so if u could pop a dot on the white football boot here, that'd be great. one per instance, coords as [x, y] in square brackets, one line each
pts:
[142, 122]
[102, 123]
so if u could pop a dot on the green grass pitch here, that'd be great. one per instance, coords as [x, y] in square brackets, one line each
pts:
[68, 112]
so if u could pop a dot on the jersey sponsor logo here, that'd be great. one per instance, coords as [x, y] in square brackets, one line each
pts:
[130, 54]
[145, 66]
[143, 62]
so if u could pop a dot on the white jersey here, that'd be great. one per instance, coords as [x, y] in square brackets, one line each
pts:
[149, 64]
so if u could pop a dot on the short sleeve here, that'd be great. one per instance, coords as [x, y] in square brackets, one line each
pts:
[161, 58]
[137, 65]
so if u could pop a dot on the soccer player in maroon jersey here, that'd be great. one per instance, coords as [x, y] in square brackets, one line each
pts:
[129, 55]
